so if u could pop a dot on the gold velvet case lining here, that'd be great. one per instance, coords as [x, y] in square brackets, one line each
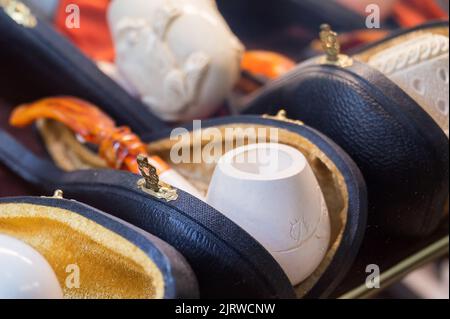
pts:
[110, 266]
[69, 154]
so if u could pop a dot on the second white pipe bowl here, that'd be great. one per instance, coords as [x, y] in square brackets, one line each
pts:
[270, 191]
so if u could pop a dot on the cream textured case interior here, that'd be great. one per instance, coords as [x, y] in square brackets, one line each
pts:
[418, 62]
[420, 67]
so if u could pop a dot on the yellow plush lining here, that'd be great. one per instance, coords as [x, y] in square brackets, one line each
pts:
[110, 266]
[366, 55]
[330, 178]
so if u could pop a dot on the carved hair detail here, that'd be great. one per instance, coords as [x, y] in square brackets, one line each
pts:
[164, 17]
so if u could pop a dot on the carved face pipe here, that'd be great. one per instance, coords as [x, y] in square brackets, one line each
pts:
[179, 55]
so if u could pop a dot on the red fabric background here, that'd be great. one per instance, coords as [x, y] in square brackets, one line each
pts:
[93, 36]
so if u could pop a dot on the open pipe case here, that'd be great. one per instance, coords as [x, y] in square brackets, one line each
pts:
[37, 62]
[388, 131]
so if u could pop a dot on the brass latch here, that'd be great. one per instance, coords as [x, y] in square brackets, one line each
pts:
[19, 12]
[151, 184]
[282, 116]
[332, 48]
[58, 194]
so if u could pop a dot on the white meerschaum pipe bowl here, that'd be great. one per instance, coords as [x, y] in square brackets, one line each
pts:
[24, 273]
[270, 191]
[179, 55]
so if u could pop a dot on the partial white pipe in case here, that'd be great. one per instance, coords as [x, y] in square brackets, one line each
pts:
[24, 273]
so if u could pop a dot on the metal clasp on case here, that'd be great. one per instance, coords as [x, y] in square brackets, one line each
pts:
[151, 184]
[282, 116]
[19, 12]
[332, 48]
[58, 194]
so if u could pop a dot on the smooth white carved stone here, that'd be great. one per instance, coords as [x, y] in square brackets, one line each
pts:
[180, 55]
[24, 273]
[271, 192]
[421, 68]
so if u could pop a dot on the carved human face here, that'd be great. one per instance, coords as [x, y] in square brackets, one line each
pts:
[180, 56]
